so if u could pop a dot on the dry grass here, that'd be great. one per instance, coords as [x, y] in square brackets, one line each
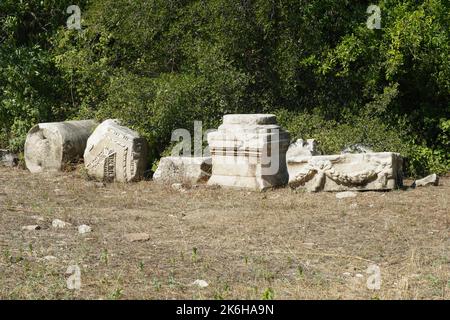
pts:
[247, 245]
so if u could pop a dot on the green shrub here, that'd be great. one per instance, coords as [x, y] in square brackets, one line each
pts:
[160, 65]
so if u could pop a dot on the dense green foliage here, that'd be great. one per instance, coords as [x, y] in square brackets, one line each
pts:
[159, 65]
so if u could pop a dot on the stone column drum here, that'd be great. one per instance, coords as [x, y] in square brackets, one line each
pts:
[115, 153]
[50, 146]
[249, 151]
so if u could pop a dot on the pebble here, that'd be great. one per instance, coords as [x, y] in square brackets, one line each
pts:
[200, 283]
[84, 229]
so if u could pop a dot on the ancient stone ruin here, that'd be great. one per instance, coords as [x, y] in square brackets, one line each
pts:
[346, 172]
[50, 146]
[115, 153]
[249, 151]
[191, 170]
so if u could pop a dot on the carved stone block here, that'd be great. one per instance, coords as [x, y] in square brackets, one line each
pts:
[249, 151]
[115, 153]
[346, 172]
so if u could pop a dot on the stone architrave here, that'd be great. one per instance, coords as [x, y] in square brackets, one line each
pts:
[346, 172]
[115, 153]
[193, 170]
[50, 146]
[249, 151]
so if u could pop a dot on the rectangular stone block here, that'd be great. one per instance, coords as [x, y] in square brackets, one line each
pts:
[249, 151]
[346, 172]
[49, 147]
[192, 170]
[115, 153]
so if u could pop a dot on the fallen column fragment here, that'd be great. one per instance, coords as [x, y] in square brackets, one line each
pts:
[50, 146]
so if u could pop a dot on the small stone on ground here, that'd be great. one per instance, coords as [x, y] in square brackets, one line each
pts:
[200, 283]
[346, 194]
[136, 237]
[84, 229]
[31, 228]
[56, 223]
[431, 180]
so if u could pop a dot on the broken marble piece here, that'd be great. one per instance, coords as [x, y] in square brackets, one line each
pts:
[8, 159]
[431, 180]
[303, 148]
[346, 172]
[191, 170]
[249, 151]
[115, 153]
[50, 146]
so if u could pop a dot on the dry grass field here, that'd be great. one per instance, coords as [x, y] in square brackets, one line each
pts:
[278, 244]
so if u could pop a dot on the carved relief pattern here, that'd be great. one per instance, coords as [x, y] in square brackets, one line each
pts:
[318, 171]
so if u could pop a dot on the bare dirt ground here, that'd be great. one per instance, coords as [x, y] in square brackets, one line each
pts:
[278, 244]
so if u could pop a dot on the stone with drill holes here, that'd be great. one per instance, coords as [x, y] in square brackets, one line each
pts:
[191, 170]
[346, 172]
[50, 146]
[115, 153]
[249, 151]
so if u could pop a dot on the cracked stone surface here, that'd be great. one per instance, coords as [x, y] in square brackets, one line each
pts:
[50, 146]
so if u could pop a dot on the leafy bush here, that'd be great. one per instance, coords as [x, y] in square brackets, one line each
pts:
[160, 65]
[31, 88]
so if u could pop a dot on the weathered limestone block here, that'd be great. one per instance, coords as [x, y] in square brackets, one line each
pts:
[50, 146]
[249, 151]
[8, 159]
[192, 170]
[346, 172]
[302, 148]
[115, 153]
